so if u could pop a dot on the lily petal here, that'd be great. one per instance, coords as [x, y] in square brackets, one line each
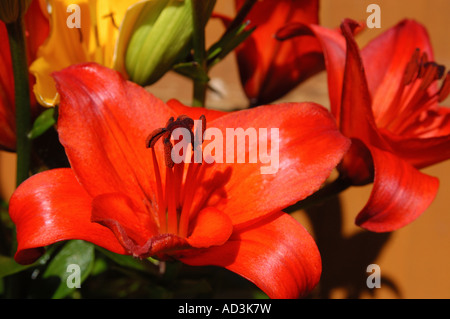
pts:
[433, 150]
[308, 147]
[400, 193]
[93, 41]
[277, 254]
[103, 124]
[7, 104]
[355, 92]
[212, 227]
[194, 112]
[270, 68]
[52, 206]
[37, 29]
[334, 51]
[118, 209]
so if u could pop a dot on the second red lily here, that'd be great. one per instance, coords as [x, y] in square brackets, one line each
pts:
[386, 98]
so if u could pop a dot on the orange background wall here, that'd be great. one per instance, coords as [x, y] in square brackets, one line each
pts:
[415, 260]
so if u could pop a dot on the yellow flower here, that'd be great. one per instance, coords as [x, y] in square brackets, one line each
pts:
[81, 31]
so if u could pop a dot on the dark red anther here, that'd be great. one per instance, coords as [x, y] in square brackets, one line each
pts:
[155, 136]
[168, 152]
[412, 68]
[182, 121]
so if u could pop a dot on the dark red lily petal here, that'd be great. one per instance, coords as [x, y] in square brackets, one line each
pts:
[277, 254]
[400, 193]
[422, 152]
[334, 51]
[357, 164]
[7, 100]
[50, 207]
[356, 117]
[37, 29]
[103, 124]
[309, 148]
[270, 68]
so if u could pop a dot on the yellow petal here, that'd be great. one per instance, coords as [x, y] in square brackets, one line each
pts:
[109, 17]
[64, 47]
[94, 41]
[126, 29]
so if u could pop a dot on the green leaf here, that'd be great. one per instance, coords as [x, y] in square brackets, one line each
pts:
[42, 123]
[8, 266]
[227, 44]
[75, 258]
[192, 70]
[130, 262]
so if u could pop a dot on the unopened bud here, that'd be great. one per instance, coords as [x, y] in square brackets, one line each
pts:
[156, 35]
[12, 10]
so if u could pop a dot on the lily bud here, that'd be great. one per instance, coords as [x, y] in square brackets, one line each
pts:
[12, 10]
[154, 36]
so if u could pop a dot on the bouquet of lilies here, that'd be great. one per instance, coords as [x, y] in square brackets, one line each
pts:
[141, 197]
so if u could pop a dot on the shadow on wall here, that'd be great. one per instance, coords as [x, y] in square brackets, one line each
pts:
[345, 258]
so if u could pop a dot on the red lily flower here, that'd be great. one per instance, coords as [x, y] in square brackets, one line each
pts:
[386, 98]
[37, 29]
[125, 194]
[269, 68]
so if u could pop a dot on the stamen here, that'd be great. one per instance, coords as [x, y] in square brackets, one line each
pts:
[412, 68]
[111, 15]
[172, 224]
[160, 194]
[188, 197]
[168, 152]
[155, 136]
[203, 119]
[417, 93]
[444, 92]
[431, 73]
[175, 204]
[423, 62]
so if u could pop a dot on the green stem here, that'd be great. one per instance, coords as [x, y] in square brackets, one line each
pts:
[328, 191]
[200, 86]
[199, 93]
[17, 45]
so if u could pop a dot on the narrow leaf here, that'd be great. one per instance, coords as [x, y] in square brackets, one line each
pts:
[43, 122]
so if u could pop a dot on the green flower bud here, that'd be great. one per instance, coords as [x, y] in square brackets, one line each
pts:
[161, 35]
[12, 10]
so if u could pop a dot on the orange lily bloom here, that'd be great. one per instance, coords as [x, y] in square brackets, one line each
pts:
[124, 193]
